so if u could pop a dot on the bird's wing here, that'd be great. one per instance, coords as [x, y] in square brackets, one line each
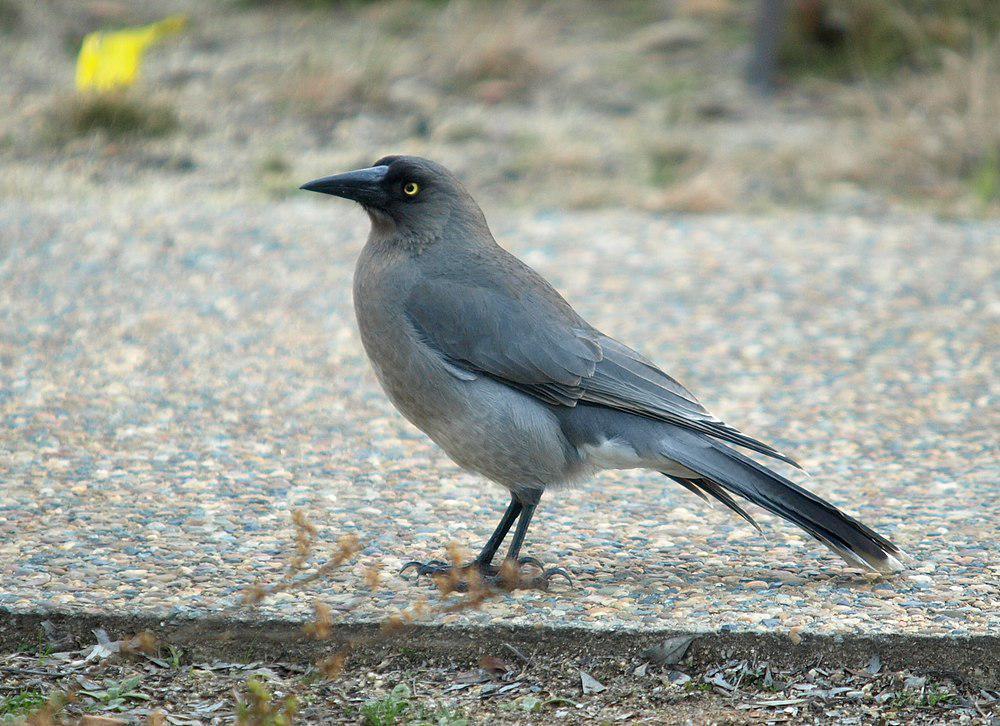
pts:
[532, 340]
[526, 339]
[627, 381]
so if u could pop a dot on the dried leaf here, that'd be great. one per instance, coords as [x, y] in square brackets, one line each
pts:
[719, 680]
[779, 704]
[670, 652]
[914, 683]
[875, 665]
[494, 666]
[590, 684]
[529, 703]
[678, 678]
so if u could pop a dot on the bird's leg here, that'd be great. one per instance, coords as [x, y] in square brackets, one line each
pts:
[508, 576]
[485, 556]
[483, 561]
[527, 513]
[519, 580]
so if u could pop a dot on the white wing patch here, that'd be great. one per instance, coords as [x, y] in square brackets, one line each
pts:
[617, 454]
[610, 454]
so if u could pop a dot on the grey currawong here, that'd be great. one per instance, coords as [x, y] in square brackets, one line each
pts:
[483, 355]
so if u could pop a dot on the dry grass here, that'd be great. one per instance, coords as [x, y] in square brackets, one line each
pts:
[259, 707]
[139, 678]
[481, 50]
[460, 589]
[936, 135]
[352, 80]
[492, 50]
[854, 39]
[115, 116]
[567, 104]
[10, 16]
[255, 704]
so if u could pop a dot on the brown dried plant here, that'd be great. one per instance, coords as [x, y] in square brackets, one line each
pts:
[347, 547]
[144, 642]
[464, 581]
[305, 535]
[322, 624]
[261, 708]
[51, 713]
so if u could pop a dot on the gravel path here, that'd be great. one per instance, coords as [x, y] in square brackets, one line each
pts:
[174, 381]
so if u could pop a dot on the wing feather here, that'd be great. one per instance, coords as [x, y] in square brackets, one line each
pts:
[531, 339]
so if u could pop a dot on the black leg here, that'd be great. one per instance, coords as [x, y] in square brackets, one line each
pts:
[523, 580]
[522, 508]
[493, 543]
[527, 513]
[485, 558]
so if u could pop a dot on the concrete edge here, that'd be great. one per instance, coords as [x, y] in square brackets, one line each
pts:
[973, 660]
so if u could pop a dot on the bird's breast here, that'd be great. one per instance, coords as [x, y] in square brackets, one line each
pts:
[482, 424]
[415, 380]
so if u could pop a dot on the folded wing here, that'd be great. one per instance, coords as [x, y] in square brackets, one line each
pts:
[531, 339]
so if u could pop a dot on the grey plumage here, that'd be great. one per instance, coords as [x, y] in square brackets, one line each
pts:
[482, 354]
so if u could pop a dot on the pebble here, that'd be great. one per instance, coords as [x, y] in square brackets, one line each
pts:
[165, 410]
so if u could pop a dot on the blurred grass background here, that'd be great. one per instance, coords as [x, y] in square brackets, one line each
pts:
[880, 105]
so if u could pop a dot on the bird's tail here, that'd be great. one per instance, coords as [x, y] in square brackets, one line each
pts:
[724, 470]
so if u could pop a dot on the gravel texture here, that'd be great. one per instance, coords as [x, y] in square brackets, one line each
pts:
[175, 379]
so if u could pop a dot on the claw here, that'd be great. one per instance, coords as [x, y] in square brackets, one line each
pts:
[557, 571]
[542, 581]
[493, 574]
[424, 568]
[408, 565]
[434, 567]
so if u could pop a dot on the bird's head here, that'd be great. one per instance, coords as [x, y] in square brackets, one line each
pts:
[410, 195]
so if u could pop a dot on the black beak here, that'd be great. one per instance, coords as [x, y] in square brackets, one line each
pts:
[363, 186]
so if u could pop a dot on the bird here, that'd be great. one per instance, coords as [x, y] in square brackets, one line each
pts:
[483, 355]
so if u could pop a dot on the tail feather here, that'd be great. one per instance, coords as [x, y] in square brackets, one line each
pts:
[725, 468]
[701, 487]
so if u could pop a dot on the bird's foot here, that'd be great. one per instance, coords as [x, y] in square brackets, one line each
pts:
[477, 575]
[526, 579]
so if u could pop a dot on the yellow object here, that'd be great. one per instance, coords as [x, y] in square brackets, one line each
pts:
[112, 60]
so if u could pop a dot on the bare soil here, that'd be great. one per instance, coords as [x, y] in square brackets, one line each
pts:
[48, 682]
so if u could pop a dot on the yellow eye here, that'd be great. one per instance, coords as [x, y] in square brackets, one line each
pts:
[410, 189]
